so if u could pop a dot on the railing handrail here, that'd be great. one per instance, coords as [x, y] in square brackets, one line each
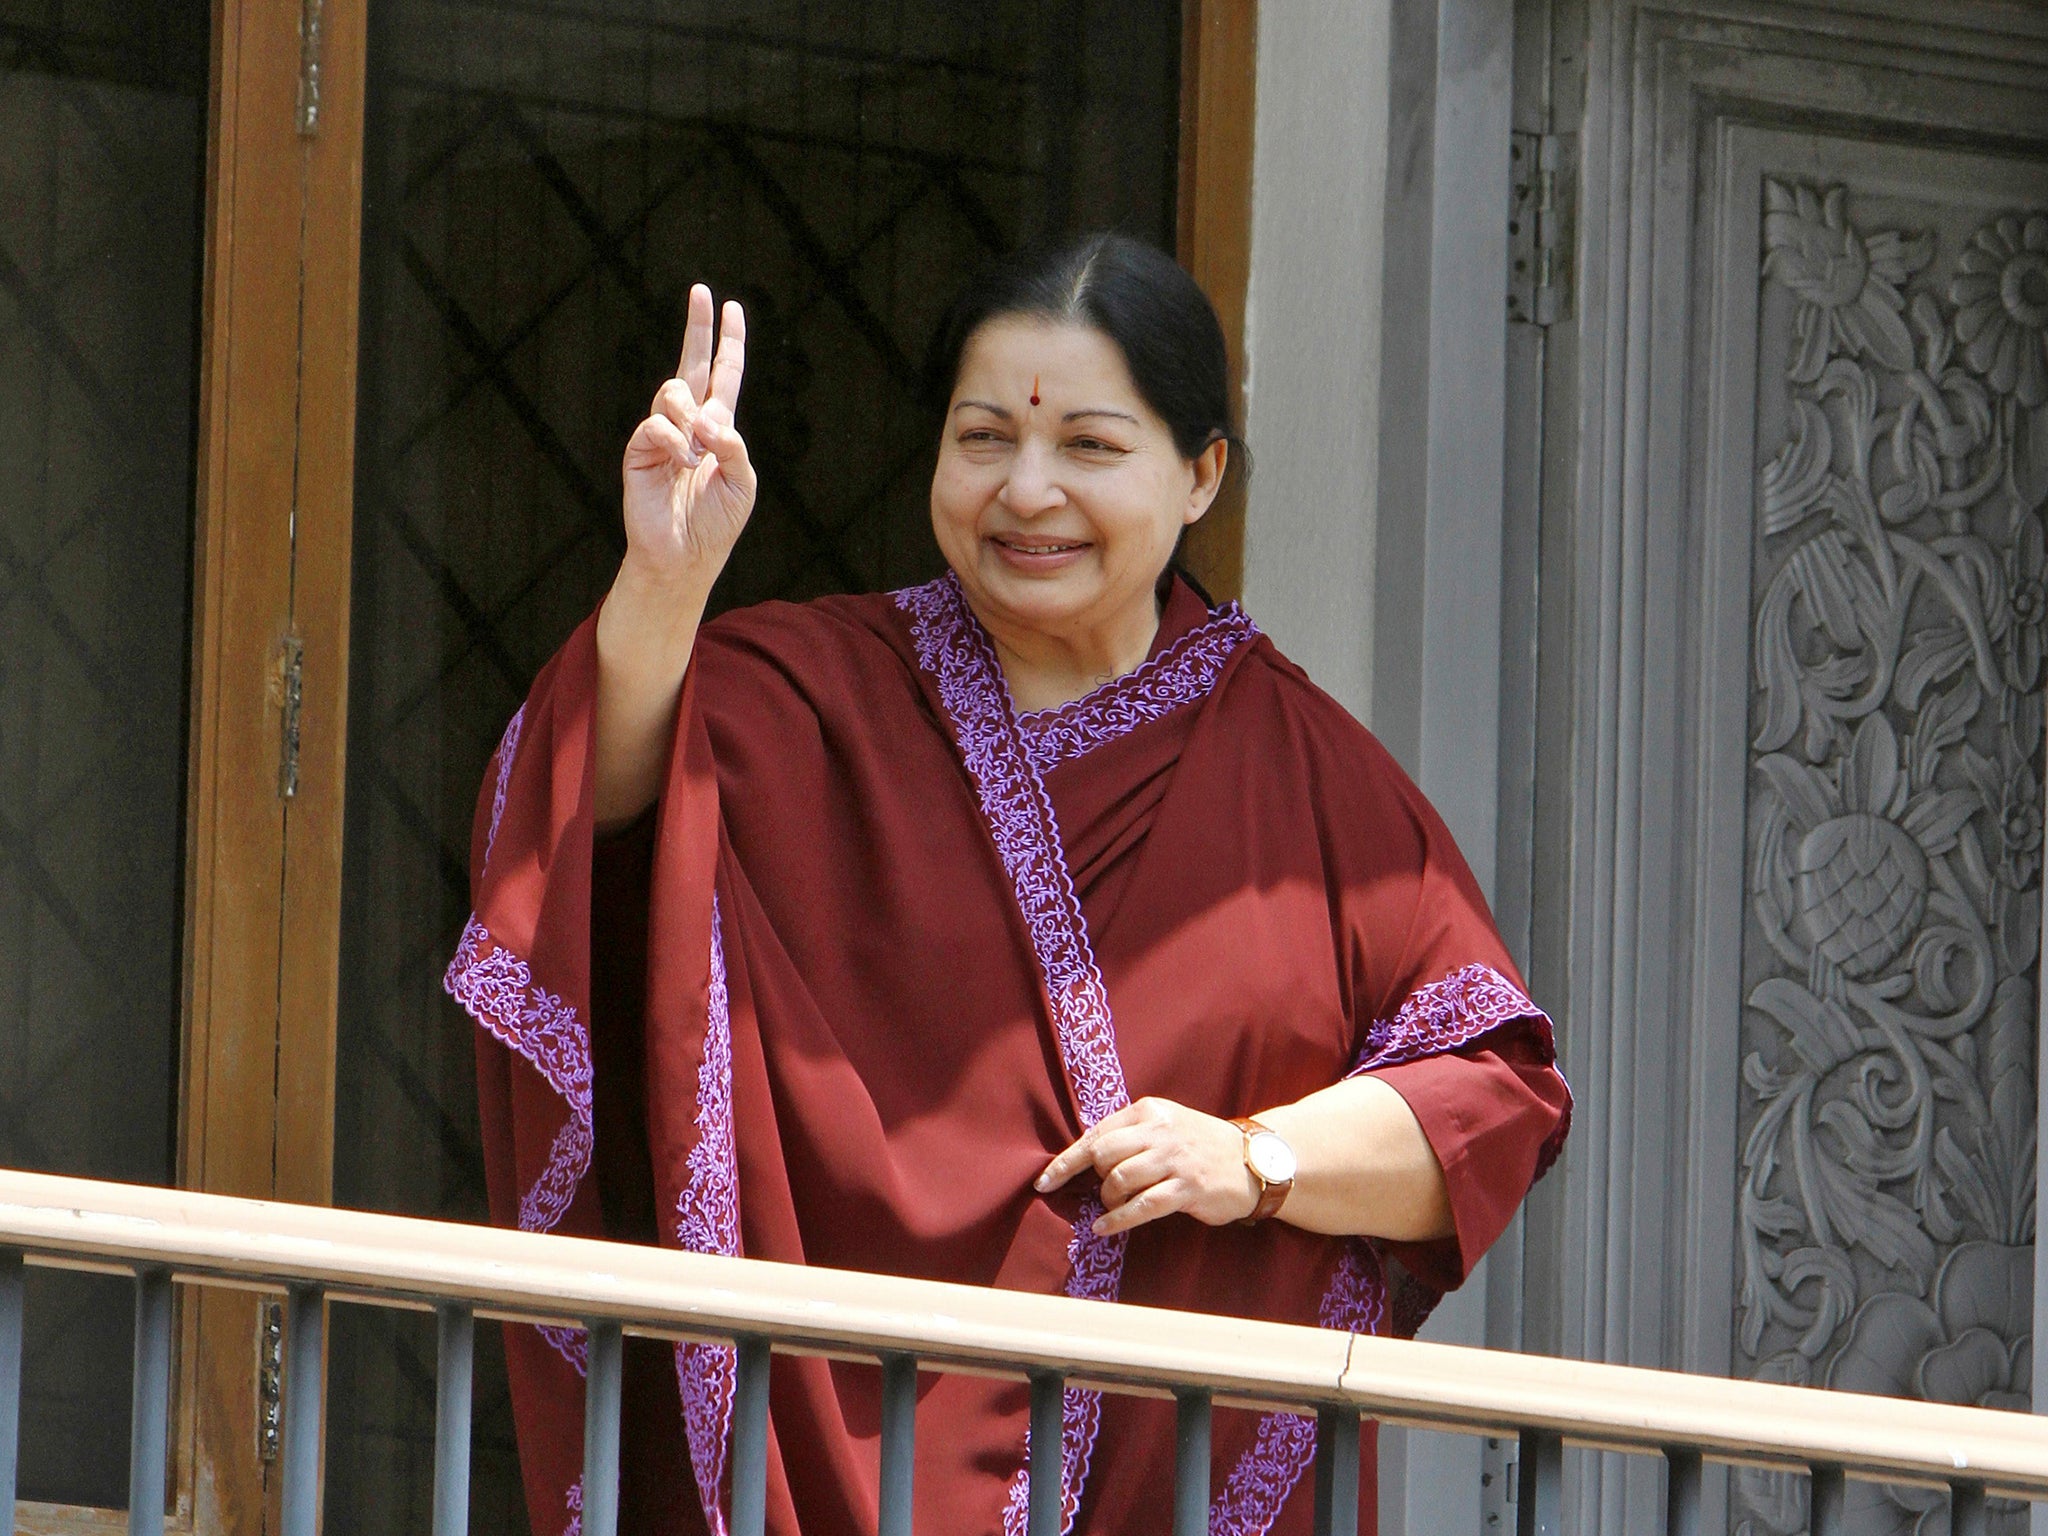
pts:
[536, 1277]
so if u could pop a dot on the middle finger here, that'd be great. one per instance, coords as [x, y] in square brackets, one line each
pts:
[1133, 1176]
[1119, 1143]
[731, 362]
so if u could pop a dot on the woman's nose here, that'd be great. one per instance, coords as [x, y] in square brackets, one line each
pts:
[1031, 487]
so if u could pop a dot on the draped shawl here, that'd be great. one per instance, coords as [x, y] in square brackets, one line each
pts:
[884, 946]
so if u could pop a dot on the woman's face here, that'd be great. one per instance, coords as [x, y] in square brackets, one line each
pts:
[1059, 514]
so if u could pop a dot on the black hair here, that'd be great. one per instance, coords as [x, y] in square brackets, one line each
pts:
[1137, 296]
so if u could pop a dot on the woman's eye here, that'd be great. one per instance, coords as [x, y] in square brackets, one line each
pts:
[979, 435]
[1095, 445]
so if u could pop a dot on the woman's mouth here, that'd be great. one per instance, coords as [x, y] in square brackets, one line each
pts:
[1032, 552]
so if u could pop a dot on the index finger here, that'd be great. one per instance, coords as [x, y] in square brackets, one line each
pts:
[732, 355]
[695, 368]
[1080, 1154]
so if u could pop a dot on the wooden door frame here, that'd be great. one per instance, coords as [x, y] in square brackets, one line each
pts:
[271, 569]
[1218, 92]
[275, 472]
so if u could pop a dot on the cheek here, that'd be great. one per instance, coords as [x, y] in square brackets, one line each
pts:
[949, 500]
[1148, 518]
[961, 487]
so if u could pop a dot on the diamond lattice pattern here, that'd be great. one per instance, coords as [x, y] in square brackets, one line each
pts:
[543, 183]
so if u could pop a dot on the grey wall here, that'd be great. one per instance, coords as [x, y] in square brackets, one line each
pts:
[1375, 374]
[1376, 348]
[1312, 322]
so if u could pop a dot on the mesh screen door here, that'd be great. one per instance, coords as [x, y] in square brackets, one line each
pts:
[543, 181]
[103, 123]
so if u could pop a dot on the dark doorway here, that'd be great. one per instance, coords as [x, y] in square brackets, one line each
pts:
[543, 181]
[103, 115]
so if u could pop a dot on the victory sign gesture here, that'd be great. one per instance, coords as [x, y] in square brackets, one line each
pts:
[688, 484]
[688, 490]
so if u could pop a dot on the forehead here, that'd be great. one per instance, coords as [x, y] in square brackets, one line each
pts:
[1060, 354]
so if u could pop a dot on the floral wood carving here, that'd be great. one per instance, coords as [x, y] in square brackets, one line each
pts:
[1886, 1195]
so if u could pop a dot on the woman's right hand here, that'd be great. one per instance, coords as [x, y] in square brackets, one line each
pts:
[689, 486]
[689, 489]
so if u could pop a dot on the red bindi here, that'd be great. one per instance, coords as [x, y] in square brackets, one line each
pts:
[1034, 389]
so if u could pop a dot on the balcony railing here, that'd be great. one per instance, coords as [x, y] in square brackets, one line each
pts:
[313, 1255]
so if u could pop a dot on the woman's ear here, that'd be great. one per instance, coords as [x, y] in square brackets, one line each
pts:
[1208, 466]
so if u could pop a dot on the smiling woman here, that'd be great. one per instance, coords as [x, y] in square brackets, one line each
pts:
[1059, 506]
[1038, 927]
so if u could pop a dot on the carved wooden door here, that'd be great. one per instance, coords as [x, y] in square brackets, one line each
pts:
[1884, 1210]
[1809, 374]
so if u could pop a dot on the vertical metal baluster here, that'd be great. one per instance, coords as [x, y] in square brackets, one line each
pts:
[10, 1381]
[1048, 1453]
[456, 1356]
[1830, 1494]
[1967, 1515]
[603, 1383]
[899, 1442]
[1539, 1484]
[149, 1418]
[1337, 1472]
[1681, 1492]
[1191, 1464]
[304, 1399]
[750, 1440]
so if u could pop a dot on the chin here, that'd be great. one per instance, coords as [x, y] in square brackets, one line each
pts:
[1056, 595]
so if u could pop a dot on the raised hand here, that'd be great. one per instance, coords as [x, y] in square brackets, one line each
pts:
[689, 486]
[688, 490]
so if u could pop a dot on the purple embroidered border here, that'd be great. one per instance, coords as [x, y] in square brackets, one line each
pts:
[496, 988]
[952, 648]
[1285, 1443]
[1096, 1274]
[508, 749]
[1182, 674]
[572, 1344]
[708, 1221]
[1450, 1013]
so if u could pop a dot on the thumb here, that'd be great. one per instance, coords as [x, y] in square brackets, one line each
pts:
[715, 431]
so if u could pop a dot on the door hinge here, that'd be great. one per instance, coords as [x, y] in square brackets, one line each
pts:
[309, 66]
[288, 691]
[270, 1381]
[1496, 1484]
[1540, 183]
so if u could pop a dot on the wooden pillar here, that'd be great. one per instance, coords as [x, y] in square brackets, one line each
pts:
[1219, 56]
[269, 637]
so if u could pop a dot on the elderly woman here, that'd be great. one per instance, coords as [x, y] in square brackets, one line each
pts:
[1040, 927]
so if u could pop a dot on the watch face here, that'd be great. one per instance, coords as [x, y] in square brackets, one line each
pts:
[1271, 1158]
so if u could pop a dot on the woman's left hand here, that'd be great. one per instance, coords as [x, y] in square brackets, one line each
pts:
[1156, 1157]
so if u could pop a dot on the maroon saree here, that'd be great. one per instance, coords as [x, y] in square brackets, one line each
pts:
[885, 947]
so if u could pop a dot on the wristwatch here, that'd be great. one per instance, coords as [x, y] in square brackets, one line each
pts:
[1271, 1162]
